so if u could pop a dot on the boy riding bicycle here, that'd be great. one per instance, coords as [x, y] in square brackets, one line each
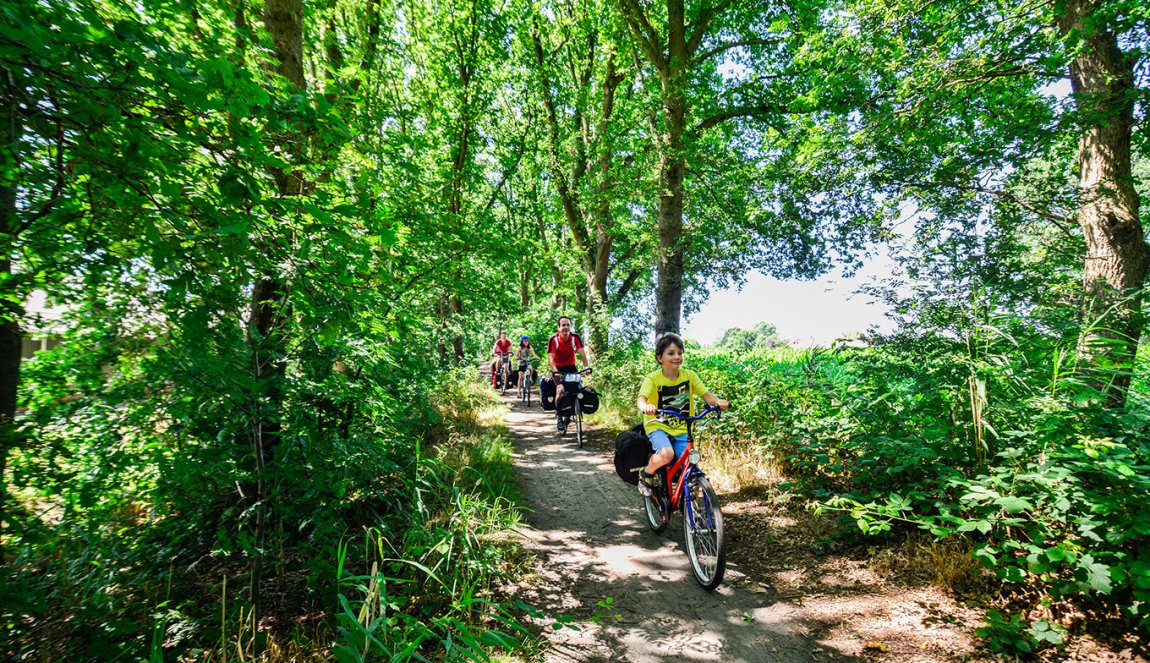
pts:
[672, 387]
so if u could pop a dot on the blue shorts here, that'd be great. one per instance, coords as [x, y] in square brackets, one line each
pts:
[661, 439]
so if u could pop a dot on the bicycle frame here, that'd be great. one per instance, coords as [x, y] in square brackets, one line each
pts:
[684, 463]
[577, 385]
[504, 359]
[525, 381]
[683, 467]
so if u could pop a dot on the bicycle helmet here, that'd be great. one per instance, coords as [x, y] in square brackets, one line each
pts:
[524, 338]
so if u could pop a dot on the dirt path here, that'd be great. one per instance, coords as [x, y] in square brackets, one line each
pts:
[587, 531]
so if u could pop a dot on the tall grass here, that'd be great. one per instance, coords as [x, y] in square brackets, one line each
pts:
[429, 590]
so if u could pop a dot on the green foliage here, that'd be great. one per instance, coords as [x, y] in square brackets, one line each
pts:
[762, 335]
[430, 590]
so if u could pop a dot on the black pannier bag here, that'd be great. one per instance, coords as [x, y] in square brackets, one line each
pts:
[632, 450]
[590, 400]
[547, 393]
[568, 401]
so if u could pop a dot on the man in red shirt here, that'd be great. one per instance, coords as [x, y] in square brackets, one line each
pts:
[501, 348]
[561, 351]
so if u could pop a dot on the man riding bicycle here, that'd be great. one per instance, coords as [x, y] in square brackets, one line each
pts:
[500, 351]
[561, 351]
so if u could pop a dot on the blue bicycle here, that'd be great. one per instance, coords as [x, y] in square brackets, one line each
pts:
[683, 485]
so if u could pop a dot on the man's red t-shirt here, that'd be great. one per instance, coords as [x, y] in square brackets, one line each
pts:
[503, 345]
[564, 351]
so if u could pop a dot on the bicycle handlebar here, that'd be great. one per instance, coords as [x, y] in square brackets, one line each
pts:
[683, 417]
[585, 371]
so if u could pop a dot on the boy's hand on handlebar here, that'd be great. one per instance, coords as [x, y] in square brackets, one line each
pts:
[648, 409]
[723, 405]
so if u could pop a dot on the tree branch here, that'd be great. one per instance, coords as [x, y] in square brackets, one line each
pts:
[626, 285]
[742, 111]
[736, 44]
[1057, 219]
[700, 29]
[645, 33]
[1063, 223]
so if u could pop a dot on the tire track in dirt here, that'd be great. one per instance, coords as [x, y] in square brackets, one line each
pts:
[586, 529]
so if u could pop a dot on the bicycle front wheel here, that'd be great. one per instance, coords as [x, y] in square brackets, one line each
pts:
[656, 506]
[579, 427]
[703, 533]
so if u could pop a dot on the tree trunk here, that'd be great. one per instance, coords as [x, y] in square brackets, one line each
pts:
[283, 19]
[465, 128]
[1117, 257]
[10, 335]
[594, 249]
[669, 288]
[672, 61]
[598, 313]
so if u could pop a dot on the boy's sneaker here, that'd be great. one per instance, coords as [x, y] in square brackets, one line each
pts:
[645, 484]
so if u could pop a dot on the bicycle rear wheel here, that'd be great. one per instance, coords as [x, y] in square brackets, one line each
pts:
[703, 533]
[656, 506]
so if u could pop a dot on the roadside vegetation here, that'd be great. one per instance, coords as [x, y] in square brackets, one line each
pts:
[394, 558]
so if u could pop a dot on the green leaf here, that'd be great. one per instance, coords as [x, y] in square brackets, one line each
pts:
[1012, 504]
[1097, 575]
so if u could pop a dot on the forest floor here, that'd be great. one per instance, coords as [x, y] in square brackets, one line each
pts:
[612, 590]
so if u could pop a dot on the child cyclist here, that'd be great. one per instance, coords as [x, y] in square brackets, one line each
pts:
[672, 387]
[523, 356]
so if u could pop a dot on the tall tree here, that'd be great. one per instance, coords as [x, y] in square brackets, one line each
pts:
[957, 98]
[10, 311]
[580, 59]
[685, 44]
[283, 20]
[1117, 256]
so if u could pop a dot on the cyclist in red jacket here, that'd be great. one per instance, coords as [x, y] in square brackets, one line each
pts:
[561, 351]
[501, 348]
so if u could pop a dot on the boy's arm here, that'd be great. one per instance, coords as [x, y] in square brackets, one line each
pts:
[644, 406]
[715, 401]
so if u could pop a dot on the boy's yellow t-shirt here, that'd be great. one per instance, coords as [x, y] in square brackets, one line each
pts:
[667, 395]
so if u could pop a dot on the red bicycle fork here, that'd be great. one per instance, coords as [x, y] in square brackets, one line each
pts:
[683, 469]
